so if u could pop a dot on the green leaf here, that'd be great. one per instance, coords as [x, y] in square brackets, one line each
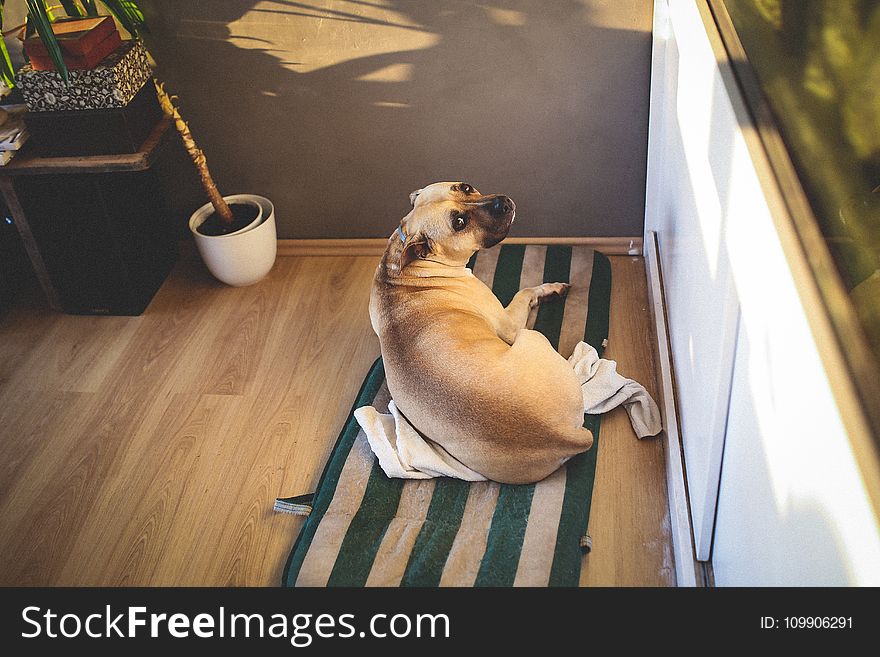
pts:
[127, 13]
[5, 63]
[7, 75]
[39, 17]
[91, 7]
[71, 8]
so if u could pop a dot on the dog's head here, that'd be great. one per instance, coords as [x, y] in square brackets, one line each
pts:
[449, 221]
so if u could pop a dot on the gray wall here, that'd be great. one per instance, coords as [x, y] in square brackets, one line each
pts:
[337, 110]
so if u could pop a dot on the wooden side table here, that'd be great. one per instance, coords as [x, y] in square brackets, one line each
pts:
[96, 228]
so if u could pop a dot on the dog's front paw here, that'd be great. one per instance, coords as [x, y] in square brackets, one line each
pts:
[551, 291]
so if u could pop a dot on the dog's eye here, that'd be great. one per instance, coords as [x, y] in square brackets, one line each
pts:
[464, 188]
[459, 221]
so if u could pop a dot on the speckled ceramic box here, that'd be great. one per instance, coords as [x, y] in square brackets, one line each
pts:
[113, 83]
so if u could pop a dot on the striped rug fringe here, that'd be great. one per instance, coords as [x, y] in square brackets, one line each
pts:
[300, 505]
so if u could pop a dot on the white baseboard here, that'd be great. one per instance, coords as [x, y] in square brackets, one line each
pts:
[376, 246]
[686, 566]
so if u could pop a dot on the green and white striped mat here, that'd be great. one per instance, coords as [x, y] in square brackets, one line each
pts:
[365, 529]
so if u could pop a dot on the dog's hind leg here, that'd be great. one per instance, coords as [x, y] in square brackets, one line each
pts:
[516, 314]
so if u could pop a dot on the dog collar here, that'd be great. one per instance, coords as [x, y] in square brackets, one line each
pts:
[399, 231]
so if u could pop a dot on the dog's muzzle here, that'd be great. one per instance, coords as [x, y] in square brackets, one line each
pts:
[501, 206]
[502, 210]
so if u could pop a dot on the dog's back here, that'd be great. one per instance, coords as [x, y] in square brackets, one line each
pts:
[513, 413]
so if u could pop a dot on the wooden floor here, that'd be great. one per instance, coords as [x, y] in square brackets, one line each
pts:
[148, 450]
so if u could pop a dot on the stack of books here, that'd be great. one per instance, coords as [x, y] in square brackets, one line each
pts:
[13, 134]
[107, 106]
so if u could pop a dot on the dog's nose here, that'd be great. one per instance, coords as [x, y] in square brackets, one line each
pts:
[500, 206]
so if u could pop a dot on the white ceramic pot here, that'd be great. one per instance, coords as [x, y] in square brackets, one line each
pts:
[245, 256]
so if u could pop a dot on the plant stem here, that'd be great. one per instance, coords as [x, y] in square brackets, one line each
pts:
[198, 157]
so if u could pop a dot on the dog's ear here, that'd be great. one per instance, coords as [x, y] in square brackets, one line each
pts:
[416, 246]
[413, 196]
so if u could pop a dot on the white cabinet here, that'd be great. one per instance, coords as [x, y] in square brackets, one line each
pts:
[776, 494]
[791, 508]
[691, 201]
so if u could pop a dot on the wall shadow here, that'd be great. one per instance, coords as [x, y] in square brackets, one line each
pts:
[526, 98]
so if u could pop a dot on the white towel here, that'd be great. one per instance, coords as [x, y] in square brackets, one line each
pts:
[603, 389]
[404, 454]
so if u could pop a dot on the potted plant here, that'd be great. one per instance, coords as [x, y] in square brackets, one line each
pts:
[236, 234]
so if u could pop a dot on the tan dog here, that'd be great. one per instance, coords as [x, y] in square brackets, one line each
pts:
[462, 368]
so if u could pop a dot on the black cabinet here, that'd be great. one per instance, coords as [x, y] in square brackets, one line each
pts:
[97, 228]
